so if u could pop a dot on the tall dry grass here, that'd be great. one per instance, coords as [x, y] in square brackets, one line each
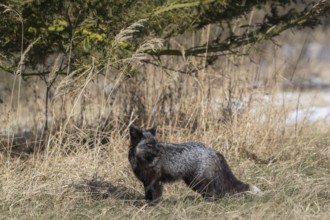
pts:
[81, 171]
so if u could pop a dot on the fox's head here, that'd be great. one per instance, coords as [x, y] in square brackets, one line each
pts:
[138, 135]
[145, 143]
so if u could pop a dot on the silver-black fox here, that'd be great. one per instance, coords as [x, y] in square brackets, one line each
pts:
[202, 168]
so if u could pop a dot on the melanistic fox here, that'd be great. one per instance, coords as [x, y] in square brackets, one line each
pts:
[202, 168]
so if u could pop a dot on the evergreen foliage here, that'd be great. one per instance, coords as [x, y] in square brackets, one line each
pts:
[82, 30]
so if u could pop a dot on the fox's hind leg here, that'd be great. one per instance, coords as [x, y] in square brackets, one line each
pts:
[205, 187]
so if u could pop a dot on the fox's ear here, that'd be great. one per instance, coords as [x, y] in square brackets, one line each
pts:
[135, 133]
[153, 130]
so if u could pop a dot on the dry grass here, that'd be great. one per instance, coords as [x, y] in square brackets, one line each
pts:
[74, 176]
[98, 183]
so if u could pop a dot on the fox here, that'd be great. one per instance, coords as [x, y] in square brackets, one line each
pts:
[202, 168]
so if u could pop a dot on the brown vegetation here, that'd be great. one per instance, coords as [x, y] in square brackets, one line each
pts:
[79, 167]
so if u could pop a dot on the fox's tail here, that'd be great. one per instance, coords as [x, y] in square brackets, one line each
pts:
[234, 185]
[255, 190]
[231, 183]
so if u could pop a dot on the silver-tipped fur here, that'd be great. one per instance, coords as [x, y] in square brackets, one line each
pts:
[202, 168]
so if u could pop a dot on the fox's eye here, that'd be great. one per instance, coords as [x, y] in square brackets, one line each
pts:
[149, 145]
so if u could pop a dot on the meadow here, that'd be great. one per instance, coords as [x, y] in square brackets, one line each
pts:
[78, 168]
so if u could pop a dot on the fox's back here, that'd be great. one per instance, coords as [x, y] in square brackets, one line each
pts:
[191, 158]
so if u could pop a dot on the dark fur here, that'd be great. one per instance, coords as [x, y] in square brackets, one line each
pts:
[202, 168]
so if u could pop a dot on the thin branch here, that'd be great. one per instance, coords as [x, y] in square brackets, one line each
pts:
[234, 42]
[172, 7]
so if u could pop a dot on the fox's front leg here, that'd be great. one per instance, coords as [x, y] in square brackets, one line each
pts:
[153, 192]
